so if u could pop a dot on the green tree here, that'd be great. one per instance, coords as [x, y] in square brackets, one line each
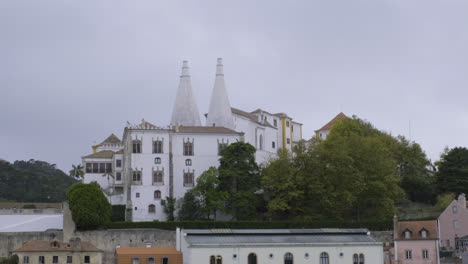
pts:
[77, 172]
[189, 207]
[169, 205]
[207, 191]
[240, 179]
[90, 208]
[452, 171]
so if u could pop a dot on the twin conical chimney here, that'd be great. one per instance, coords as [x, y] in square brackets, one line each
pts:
[185, 111]
[219, 113]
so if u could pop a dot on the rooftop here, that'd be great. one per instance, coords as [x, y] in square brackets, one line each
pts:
[111, 140]
[55, 246]
[147, 251]
[105, 154]
[204, 129]
[328, 125]
[415, 228]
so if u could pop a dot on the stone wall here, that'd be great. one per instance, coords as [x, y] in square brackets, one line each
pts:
[106, 240]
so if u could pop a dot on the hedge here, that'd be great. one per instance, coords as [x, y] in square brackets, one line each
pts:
[171, 225]
[118, 213]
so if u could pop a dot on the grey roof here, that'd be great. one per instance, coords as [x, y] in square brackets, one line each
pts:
[250, 116]
[278, 236]
[105, 154]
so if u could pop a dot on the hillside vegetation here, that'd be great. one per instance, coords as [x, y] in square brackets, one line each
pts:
[33, 181]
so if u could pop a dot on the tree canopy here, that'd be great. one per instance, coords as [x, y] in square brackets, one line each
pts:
[452, 171]
[90, 208]
[33, 181]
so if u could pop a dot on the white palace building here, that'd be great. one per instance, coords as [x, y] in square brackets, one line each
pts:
[151, 163]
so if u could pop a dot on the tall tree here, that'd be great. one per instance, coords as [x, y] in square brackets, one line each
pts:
[209, 195]
[240, 179]
[90, 208]
[452, 171]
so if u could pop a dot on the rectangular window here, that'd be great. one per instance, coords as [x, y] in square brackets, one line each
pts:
[86, 259]
[69, 259]
[455, 224]
[275, 123]
[118, 176]
[41, 259]
[54, 259]
[95, 167]
[448, 243]
[26, 260]
[157, 177]
[408, 254]
[158, 146]
[89, 167]
[108, 167]
[454, 209]
[136, 176]
[425, 254]
[135, 260]
[102, 167]
[288, 141]
[287, 123]
[136, 146]
[221, 146]
[188, 148]
[188, 179]
[118, 163]
[165, 260]
[273, 144]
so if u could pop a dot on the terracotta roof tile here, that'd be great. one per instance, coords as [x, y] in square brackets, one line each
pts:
[415, 228]
[55, 246]
[112, 139]
[105, 154]
[328, 125]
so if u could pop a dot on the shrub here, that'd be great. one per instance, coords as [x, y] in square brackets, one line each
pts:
[118, 213]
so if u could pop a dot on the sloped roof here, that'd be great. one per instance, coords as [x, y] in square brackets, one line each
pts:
[147, 251]
[105, 154]
[112, 139]
[250, 116]
[47, 246]
[204, 129]
[415, 227]
[328, 125]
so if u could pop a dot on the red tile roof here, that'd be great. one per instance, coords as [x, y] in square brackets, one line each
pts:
[328, 125]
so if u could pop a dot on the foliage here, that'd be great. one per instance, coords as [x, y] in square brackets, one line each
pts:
[452, 171]
[172, 225]
[189, 207]
[350, 175]
[443, 200]
[118, 213]
[77, 172]
[239, 177]
[29, 206]
[14, 259]
[208, 193]
[33, 181]
[90, 208]
[169, 205]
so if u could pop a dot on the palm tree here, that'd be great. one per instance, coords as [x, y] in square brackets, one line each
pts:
[77, 172]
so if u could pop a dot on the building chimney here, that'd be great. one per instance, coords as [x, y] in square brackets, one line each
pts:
[462, 200]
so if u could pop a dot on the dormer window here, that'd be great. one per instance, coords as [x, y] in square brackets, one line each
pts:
[424, 233]
[407, 233]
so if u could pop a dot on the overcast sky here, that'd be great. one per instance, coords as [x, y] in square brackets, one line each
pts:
[74, 71]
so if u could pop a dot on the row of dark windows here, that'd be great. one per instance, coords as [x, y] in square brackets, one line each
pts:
[409, 254]
[188, 147]
[288, 258]
[55, 259]
[150, 260]
[157, 195]
[98, 167]
[158, 177]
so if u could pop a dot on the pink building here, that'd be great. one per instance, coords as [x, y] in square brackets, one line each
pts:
[416, 242]
[453, 224]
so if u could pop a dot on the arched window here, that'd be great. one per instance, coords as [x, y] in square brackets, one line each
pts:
[288, 258]
[157, 194]
[212, 260]
[361, 258]
[355, 259]
[324, 258]
[219, 259]
[252, 258]
[151, 209]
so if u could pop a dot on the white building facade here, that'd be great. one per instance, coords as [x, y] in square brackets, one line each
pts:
[151, 163]
[282, 246]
